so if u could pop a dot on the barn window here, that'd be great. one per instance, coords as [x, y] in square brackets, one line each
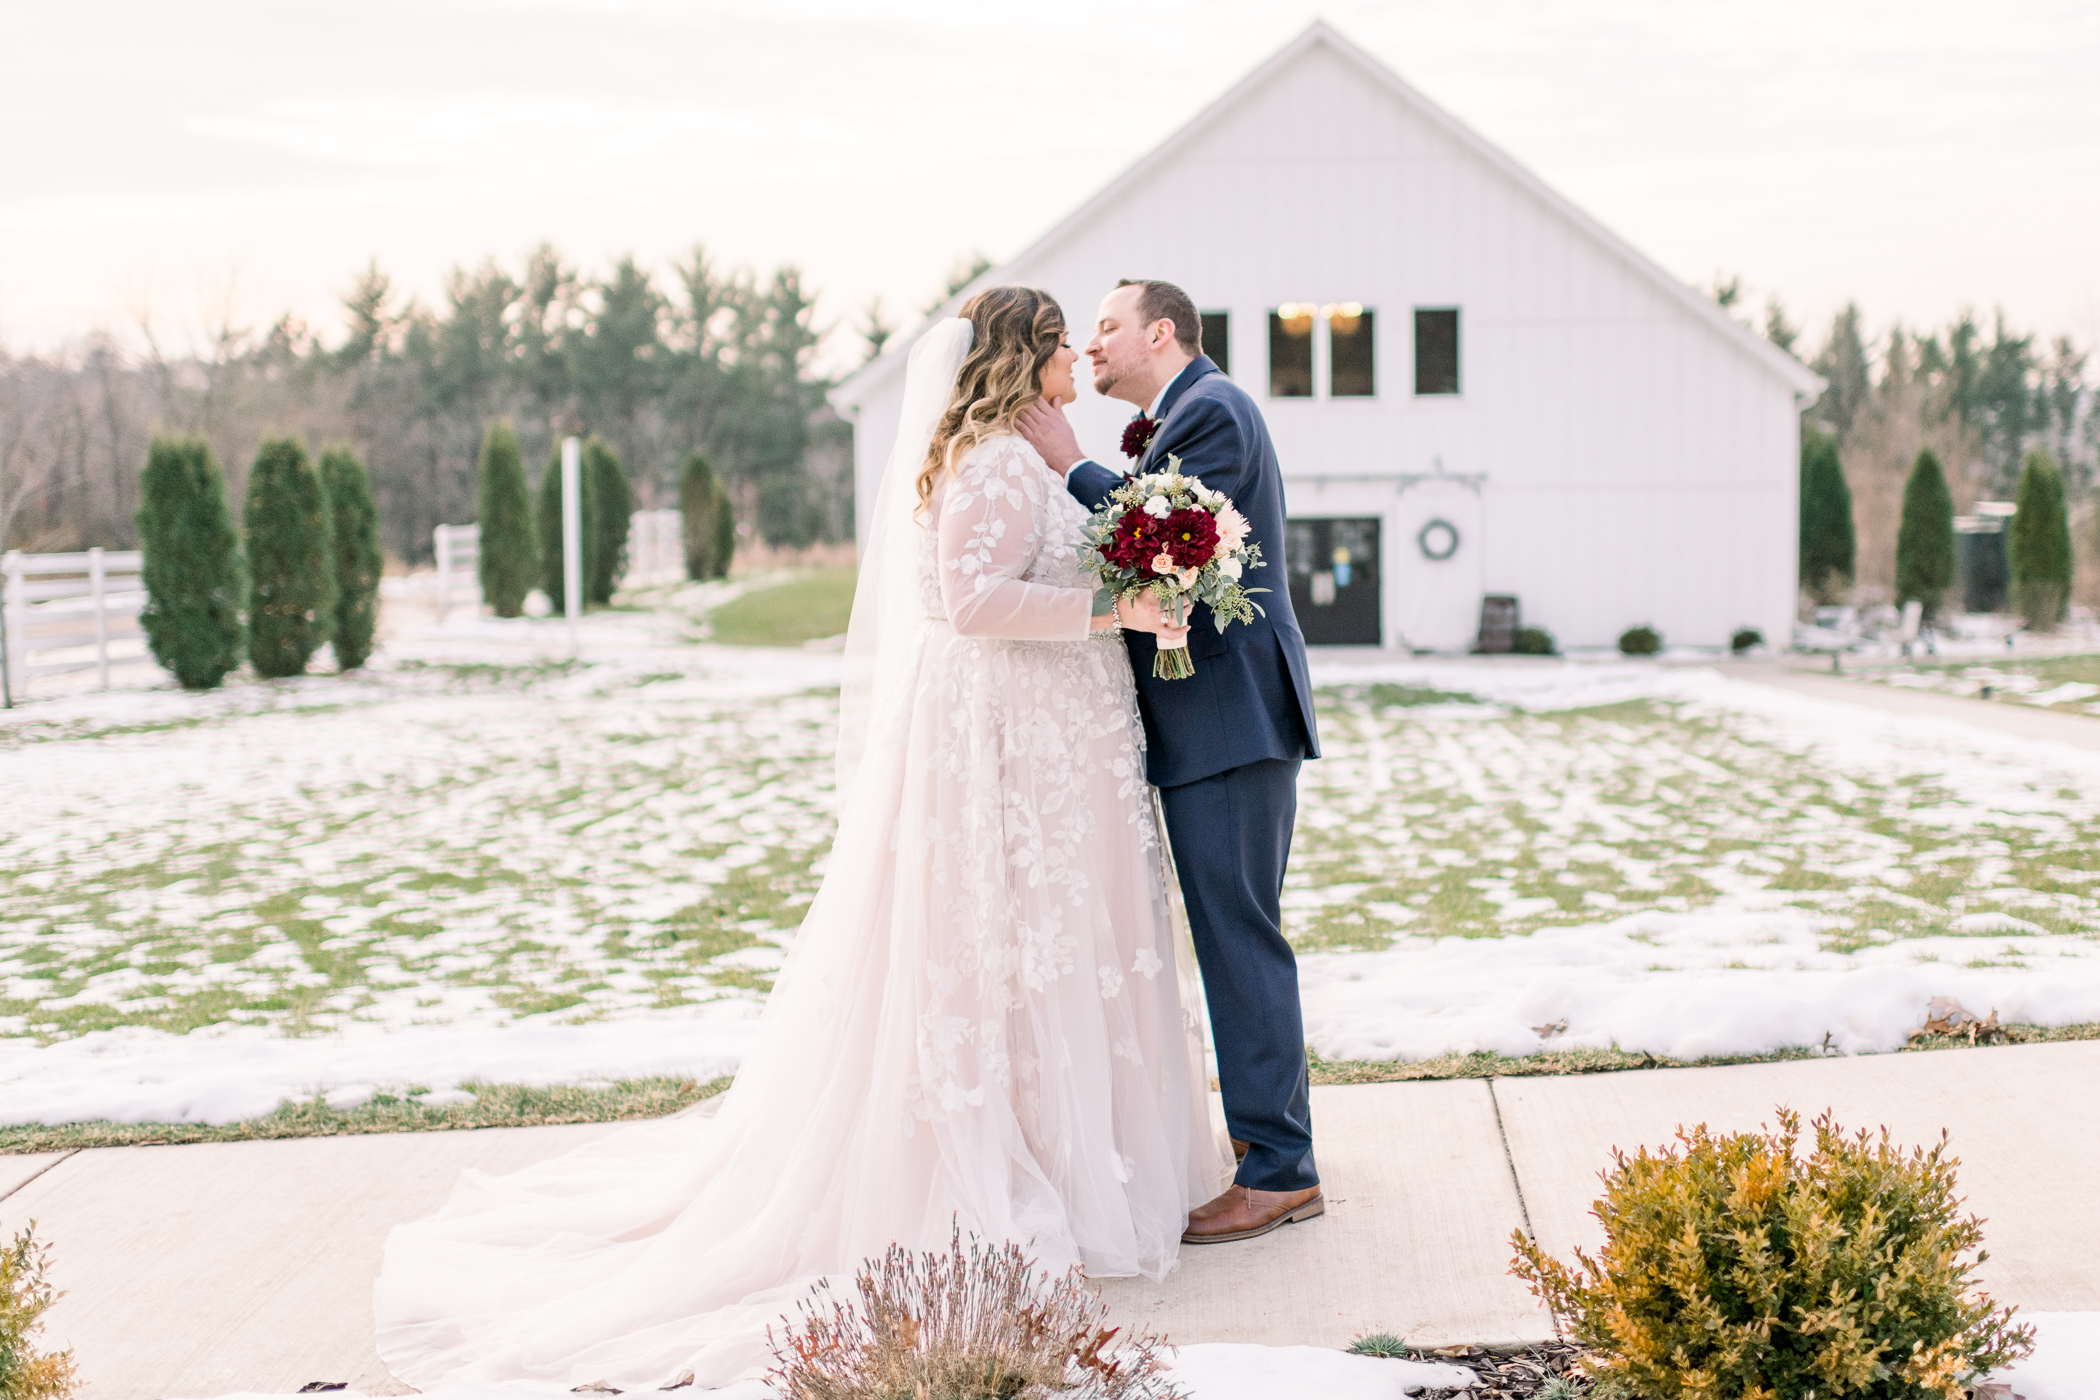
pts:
[1290, 351]
[1216, 342]
[1436, 351]
[1350, 370]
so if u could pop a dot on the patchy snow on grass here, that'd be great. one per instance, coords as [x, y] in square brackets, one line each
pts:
[1712, 868]
[430, 875]
[483, 862]
[2064, 683]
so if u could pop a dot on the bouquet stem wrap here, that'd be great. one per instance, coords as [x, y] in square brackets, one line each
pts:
[1172, 661]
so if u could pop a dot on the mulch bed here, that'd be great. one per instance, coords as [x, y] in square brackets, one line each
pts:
[1512, 1373]
[1532, 1370]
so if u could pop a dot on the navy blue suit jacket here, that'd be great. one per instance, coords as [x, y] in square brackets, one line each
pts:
[1251, 696]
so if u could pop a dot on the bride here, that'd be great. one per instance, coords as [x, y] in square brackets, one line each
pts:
[988, 1016]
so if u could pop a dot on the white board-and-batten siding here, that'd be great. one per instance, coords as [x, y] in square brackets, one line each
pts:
[1620, 452]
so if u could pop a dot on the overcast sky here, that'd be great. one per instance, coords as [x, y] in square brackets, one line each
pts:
[166, 158]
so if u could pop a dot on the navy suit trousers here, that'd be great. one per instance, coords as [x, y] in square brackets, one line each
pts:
[1231, 834]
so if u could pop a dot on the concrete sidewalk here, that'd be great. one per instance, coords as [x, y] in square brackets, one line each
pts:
[195, 1271]
[2004, 716]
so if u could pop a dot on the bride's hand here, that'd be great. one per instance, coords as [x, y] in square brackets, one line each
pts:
[1142, 613]
[1045, 429]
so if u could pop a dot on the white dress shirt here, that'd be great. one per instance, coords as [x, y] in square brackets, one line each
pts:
[1151, 411]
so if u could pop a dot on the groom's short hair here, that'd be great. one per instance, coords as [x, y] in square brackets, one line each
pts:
[1163, 301]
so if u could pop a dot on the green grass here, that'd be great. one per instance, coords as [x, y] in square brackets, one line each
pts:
[814, 605]
[494, 1106]
[1486, 1064]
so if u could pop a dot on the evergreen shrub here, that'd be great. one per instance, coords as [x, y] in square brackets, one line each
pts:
[605, 482]
[2040, 548]
[703, 505]
[291, 575]
[1534, 641]
[192, 566]
[548, 520]
[25, 1295]
[1925, 558]
[1829, 546]
[790, 514]
[1640, 641]
[725, 531]
[354, 534]
[1744, 638]
[1736, 1267]
[509, 560]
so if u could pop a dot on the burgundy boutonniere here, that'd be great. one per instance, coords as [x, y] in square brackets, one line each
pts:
[1137, 435]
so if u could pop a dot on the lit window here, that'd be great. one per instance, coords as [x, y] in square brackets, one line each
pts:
[1216, 341]
[1290, 351]
[1436, 351]
[1351, 372]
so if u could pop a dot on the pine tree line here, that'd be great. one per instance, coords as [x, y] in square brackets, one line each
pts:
[1915, 428]
[303, 569]
[658, 364]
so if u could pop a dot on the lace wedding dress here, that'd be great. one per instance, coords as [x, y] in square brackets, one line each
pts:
[988, 1016]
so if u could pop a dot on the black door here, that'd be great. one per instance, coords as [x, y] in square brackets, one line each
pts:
[1333, 568]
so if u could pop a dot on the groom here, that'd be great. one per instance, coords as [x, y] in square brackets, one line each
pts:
[1222, 746]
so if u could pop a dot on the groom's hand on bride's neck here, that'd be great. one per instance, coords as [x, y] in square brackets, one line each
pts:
[1044, 428]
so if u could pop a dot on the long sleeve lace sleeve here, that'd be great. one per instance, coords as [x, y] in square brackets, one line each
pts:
[990, 529]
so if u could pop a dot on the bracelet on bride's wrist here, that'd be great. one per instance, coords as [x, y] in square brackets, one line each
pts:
[1115, 610]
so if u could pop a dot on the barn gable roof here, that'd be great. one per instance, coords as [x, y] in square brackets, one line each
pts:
[1806, 385]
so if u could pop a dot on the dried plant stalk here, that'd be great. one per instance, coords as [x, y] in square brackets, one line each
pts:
[971, 1324]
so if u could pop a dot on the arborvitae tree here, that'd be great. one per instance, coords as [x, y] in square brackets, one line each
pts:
[701, 504]
[509, 560]
[192, 567]
[1925, 560]
[291, 584]
[789, 511]
[548, 521]
[354, 534]
[725, 529]
[1828, 545]
[2040, 547]
[605, 482]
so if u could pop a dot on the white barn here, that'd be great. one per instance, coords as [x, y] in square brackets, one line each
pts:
[1475, 389]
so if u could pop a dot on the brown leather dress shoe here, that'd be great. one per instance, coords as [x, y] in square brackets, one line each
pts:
[1243, 1212]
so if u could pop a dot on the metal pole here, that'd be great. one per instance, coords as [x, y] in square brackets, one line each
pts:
[441, 540]
[10, 580]
[572, 537]
[95, 590]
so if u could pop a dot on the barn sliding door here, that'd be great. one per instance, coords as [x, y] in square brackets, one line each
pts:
[1333, 567]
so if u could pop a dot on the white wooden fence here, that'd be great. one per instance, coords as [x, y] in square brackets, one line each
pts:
[656, 547]
[655, 554]
[458, 564]
[62, 612]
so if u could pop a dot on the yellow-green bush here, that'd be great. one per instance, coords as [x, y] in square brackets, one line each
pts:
[1734, 1267]
[25, 1294]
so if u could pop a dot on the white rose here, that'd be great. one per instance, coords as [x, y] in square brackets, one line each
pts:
[1231, 569]
[1157, 507]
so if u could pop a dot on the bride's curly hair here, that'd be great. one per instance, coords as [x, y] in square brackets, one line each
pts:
[1015, 331]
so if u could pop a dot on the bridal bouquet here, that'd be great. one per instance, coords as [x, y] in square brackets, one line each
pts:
[1174, 537]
